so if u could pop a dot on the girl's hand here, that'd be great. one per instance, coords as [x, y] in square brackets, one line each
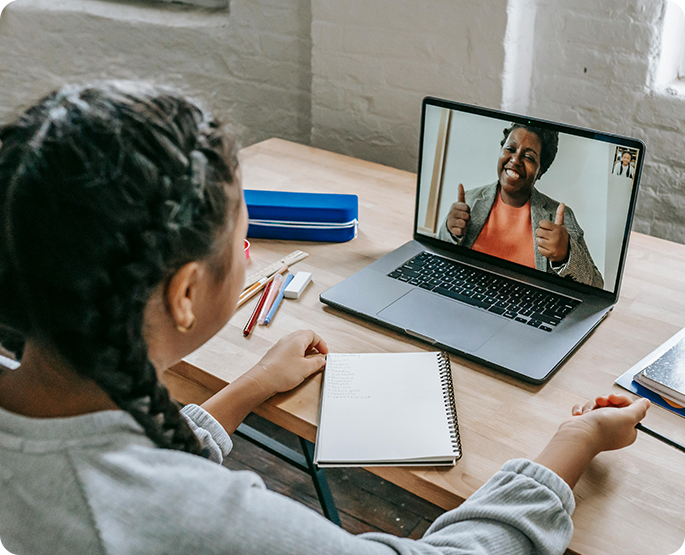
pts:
[290, 361]
[284, 366]
[604, 424]
[608, 422]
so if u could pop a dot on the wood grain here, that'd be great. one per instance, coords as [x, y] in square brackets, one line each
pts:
[629, 502]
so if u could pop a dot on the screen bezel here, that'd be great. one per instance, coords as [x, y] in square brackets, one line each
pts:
[508, 117]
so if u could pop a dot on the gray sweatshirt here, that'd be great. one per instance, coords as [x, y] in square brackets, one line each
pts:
[95, 484]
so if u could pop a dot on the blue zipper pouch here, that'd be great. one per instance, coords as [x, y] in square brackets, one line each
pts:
[330, 218]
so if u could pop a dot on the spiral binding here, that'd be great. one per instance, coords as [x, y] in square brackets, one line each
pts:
[450, 404]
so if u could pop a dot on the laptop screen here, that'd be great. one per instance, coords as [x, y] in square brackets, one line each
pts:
[544, 196]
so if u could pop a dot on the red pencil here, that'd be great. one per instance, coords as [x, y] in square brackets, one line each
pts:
[247, 330]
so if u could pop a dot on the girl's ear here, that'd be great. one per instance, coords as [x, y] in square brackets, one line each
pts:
[182, 294]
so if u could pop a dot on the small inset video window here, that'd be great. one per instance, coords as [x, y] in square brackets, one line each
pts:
[625, 161]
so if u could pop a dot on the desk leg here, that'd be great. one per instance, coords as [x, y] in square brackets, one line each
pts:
[320, 483]
[305, 464]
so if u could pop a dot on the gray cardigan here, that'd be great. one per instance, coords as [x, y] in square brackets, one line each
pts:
[579, 267]
[95, 485]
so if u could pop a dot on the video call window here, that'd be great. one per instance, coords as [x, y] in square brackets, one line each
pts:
[548, 200]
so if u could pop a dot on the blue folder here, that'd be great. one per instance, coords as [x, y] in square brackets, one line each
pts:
[302, 216]
[626, 382]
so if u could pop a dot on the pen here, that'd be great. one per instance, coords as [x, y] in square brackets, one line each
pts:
[275, 285]
[658, 436]
[247, 330]
[279, 298]
[255, 288]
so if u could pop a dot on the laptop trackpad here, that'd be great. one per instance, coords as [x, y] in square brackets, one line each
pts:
[448, 322]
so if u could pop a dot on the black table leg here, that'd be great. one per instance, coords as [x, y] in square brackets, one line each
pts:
[304, 463]
[320, 483]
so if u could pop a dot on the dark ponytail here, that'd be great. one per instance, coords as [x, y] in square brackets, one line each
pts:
[105, 192]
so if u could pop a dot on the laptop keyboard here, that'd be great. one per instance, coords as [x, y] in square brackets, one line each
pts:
[509, 298]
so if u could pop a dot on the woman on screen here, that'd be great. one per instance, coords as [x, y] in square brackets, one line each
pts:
[512, 220]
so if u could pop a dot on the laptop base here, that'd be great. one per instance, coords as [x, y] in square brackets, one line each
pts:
[526, 352]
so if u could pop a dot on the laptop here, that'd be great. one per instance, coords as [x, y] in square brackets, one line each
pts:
[521, 229]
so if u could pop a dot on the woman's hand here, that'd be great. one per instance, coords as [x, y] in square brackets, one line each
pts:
[604, 424]
[290, 361]
[459, 215]
[552, 237]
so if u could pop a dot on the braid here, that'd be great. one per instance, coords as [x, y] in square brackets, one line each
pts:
[124, 370]
[129, 183]
[132, 383]
[12, 342]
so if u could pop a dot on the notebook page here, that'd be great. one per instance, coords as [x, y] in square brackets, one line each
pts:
[382, 406]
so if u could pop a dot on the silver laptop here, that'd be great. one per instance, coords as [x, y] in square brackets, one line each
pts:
[521, 229]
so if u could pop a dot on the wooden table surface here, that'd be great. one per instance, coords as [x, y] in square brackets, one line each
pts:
[629, 502]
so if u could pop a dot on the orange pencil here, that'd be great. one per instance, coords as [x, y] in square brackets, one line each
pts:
[257, 287]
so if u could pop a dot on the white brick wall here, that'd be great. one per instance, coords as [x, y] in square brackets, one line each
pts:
[251, 63]
[349, 75]
[588, 62]
[594, 66]
[373, 62]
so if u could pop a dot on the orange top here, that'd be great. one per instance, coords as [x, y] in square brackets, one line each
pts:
[508, 234]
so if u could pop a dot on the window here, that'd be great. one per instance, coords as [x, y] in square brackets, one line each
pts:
[671, 67]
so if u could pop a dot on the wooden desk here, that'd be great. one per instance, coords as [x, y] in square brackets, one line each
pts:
[628, 502]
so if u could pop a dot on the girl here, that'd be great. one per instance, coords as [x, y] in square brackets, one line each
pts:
[121, 252]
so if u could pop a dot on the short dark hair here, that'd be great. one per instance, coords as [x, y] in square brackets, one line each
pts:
[549, 140]
[106, 190]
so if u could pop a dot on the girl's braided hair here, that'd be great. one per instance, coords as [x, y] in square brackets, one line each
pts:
[106, 190]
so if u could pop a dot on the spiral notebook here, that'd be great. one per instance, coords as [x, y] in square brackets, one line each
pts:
[387, 409]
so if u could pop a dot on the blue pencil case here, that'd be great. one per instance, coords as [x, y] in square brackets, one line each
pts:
[323, 217]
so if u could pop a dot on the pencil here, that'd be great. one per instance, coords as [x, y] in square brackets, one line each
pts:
[660, 437]
[247, 330]
[257, 287]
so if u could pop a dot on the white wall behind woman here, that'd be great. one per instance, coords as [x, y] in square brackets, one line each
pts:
[373, 62]
[349, 75]
[250, 63]
[590, 63]
[595, 65]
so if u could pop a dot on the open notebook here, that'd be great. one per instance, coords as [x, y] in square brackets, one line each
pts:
[386, 410]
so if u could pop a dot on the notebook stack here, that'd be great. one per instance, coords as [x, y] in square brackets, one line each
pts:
[666, 375]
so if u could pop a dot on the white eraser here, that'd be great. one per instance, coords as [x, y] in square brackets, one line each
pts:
[297, 285]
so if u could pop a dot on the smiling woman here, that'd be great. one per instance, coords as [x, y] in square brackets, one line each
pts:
[512, 220]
